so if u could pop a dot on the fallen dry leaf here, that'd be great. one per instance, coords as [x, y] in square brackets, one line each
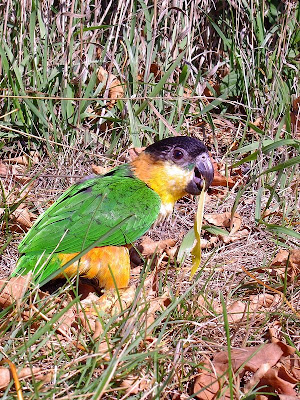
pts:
[273, 379]
[231, 238]
[258, 375]
[134, 384]
[134, 152]
[157, 304]
[13, 289]
[67, 319]
[208, 383]
[259, 358]
[289, 259]
[220, 178]
[208, 243]
[109, 302]
[224, 220]
[239, 310]
[154, 69]
[295, 117]
[220, 193]
[99, 170]
[25, 160]
[24, 373]
[88, 320]
[23, 217]
[112, 84]
[3, 169]
[16, 171]
[148, 246]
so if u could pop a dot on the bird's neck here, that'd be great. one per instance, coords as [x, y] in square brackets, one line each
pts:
[167, 180]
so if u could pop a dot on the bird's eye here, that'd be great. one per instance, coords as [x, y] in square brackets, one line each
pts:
[178, 154]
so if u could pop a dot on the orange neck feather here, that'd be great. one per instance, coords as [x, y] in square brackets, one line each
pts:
[167, 180]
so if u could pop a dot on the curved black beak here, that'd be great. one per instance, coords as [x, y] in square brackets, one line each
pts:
[203, 172]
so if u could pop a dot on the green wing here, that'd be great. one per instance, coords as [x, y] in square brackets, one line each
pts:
[87, 211]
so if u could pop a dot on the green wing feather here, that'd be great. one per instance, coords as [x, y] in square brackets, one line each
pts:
[87, 211]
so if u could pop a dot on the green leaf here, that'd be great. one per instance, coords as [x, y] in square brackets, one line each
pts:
[186, 245]
[252, 146]
[280, 143]
[258, 204]
[250, 157]
[286, 164]
[282, 230]
[214, 230]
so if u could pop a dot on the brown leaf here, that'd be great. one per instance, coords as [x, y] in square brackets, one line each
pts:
[295, 119]
[18, 172]
[236, 237]
[134, 385]
[154, 69]
[240, 310]
[254, 357]
[171, 251]
[114, 86]
[236, 311]
[208, 244]
[13, 170]
[258, 375]
[220, 193]
[221, 179]
[134, 152]
[224, 220]
[23, 217]
[208, 379]
[3, 169]
[205, 304]
[109, 302]
[13, 289]
[148, 246]
[25, 160]
[67, 319]
[29, 372]
[272, 378]
[88, 320]
[291, 259]
[291, 365]
[258, 358]
[98, 329]
[157, 304]
[99, 170]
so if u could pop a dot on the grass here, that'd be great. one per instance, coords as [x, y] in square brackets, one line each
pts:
[195, 64]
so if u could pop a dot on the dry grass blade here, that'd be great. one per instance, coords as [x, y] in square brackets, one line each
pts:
[15, 377]
[196, 251]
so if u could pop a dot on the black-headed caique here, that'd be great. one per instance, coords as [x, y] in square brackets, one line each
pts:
[138, 193]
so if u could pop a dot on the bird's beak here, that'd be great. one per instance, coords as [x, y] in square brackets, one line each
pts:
[203, 172]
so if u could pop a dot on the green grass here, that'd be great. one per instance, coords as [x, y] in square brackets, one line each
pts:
[164, 353]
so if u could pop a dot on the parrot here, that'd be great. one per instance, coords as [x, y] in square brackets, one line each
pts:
[105, 214]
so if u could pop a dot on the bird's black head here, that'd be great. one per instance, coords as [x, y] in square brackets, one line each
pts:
[189, 154]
